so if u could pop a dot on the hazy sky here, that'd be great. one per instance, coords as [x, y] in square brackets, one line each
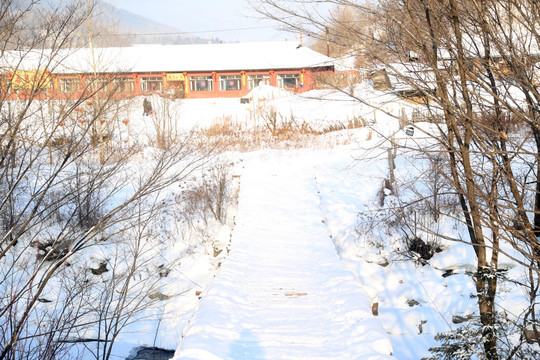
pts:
[228, 20]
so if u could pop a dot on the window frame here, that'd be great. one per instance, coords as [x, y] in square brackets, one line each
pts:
[253, 80]
[225, 82]
[69, 85]
[194, 82]
[145, 80]
[282, 79]
[120, 84]
[98, 84]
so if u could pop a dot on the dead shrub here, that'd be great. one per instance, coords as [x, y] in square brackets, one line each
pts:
[419, 250]
[274, 130]
[224, 126]
[230, 135]
[508, 123]
[285, 127]
[51, 250]
[207, 197]
[84, 192]
[164, 118]
[274, 122]
[338, 81]
[59, 141]
[96, 139]
[354, 123]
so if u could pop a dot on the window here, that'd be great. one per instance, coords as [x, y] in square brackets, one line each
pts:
[288, 81]
[124, 85]
[201, 83]
[255, 80]
[69, 85]
[153, 83]
[230, 82]
[97, 84]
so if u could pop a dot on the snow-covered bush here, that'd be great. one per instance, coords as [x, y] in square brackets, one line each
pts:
[466, 341]
[208, 195]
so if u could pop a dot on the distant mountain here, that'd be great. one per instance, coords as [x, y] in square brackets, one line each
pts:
[111, 26]
[143, 28]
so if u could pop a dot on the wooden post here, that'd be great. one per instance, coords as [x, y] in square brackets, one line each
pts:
[392, 152]
[391, 165]
[327, 43]
[375, 309]
[101, 144]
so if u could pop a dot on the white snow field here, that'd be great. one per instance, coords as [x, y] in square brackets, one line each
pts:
[283, 292]
[307, 215]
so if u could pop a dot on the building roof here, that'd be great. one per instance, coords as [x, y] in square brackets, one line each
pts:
[523, 43]
[409, 76]
[180, 58]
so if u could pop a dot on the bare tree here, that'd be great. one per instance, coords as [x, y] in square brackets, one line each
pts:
[62, 197]
[475, 64]
[165, 112]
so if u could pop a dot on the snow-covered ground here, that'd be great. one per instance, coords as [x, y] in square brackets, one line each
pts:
[283, 293]
[294, 204]
[303, 259]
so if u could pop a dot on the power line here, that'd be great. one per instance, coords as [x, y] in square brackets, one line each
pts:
[186, 32]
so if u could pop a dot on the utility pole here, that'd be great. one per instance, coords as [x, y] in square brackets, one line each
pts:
[91, 35]
[327, 42]
[95, 82]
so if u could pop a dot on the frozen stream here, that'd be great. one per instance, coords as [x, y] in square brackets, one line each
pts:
[283, 292]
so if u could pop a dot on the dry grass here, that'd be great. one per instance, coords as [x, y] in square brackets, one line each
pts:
[223, 127]
[354, 123]
[277, 132]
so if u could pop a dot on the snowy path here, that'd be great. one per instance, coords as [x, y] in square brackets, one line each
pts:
[283, 292]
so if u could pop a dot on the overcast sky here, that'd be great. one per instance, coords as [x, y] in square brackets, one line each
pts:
[228, 20]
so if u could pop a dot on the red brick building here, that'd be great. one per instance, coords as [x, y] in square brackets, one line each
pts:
[190, 71]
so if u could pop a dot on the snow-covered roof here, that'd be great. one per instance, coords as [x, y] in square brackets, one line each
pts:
[523, 42]
[408, 76]
[190, 58]
[346, 62]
